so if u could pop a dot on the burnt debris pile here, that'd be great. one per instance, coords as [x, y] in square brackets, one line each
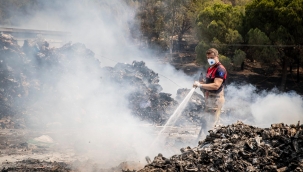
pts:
[34, 71]
[11, 76]
[240, 147]
[37, 165]
[146, 99]
[193, 110]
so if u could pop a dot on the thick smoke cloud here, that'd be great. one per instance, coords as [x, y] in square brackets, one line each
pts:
[103, 26]
[80, 102]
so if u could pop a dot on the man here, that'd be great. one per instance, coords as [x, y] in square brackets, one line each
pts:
[213, 86]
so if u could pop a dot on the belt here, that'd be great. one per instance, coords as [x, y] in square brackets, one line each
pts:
[214, 96]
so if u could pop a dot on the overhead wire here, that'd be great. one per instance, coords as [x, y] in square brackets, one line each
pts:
[170, 80]
[157, 73]
[109, 59]
[258, 45]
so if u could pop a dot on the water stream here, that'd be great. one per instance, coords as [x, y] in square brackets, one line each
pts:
[174, 117]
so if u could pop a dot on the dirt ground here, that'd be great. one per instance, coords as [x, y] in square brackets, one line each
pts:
[29, 150]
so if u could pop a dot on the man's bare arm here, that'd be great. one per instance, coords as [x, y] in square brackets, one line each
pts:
[213, 86]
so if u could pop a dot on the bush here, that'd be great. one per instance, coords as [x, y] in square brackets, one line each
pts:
[226, 62]
[201, 49]
[239, 57]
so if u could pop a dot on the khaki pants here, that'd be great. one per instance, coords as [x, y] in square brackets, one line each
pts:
[214, 104]
[211, 115]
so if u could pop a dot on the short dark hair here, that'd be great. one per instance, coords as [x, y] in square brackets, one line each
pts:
[212, 50]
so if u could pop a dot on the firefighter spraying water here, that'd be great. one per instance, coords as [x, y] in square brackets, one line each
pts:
[212, 87]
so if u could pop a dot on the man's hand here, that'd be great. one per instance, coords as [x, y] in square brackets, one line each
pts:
[197, 84]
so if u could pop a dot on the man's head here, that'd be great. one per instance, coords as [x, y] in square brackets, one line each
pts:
[212, 56]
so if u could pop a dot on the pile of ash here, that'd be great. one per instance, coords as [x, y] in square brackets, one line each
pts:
[239, 147]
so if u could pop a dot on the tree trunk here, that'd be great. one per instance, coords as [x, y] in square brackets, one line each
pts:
[172, 32]
[284, 73]
[242, 65]
[171, 47]
[298, 70]
[180, 35]
[290, 68]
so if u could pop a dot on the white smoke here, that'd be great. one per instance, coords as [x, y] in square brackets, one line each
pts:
[276, 108]
[262, 108]
[96, 112]
[82, 104]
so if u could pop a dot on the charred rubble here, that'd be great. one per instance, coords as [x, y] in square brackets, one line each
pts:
[236, 147]
[194, 108]
[239, 147]
[147, 101]
[22, 81]
[22, 86]
[37, 165]
[11, 76]
[23, 69]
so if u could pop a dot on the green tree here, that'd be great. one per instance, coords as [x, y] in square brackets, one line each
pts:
[281, 22]
[12, 11]
[226, 62]
[236, 2]
[219, 26]
[151, 17]
[201, 49]
[162, 20]
[177, 21]
[260, 48]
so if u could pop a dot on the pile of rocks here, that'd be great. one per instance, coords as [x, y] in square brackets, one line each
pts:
[240, 147]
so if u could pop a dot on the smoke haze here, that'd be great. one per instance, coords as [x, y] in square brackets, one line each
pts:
[81, 101]
[96, 110]
[263, 108]
[277, 108]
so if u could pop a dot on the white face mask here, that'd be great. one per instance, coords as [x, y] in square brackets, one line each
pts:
[211, 61]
